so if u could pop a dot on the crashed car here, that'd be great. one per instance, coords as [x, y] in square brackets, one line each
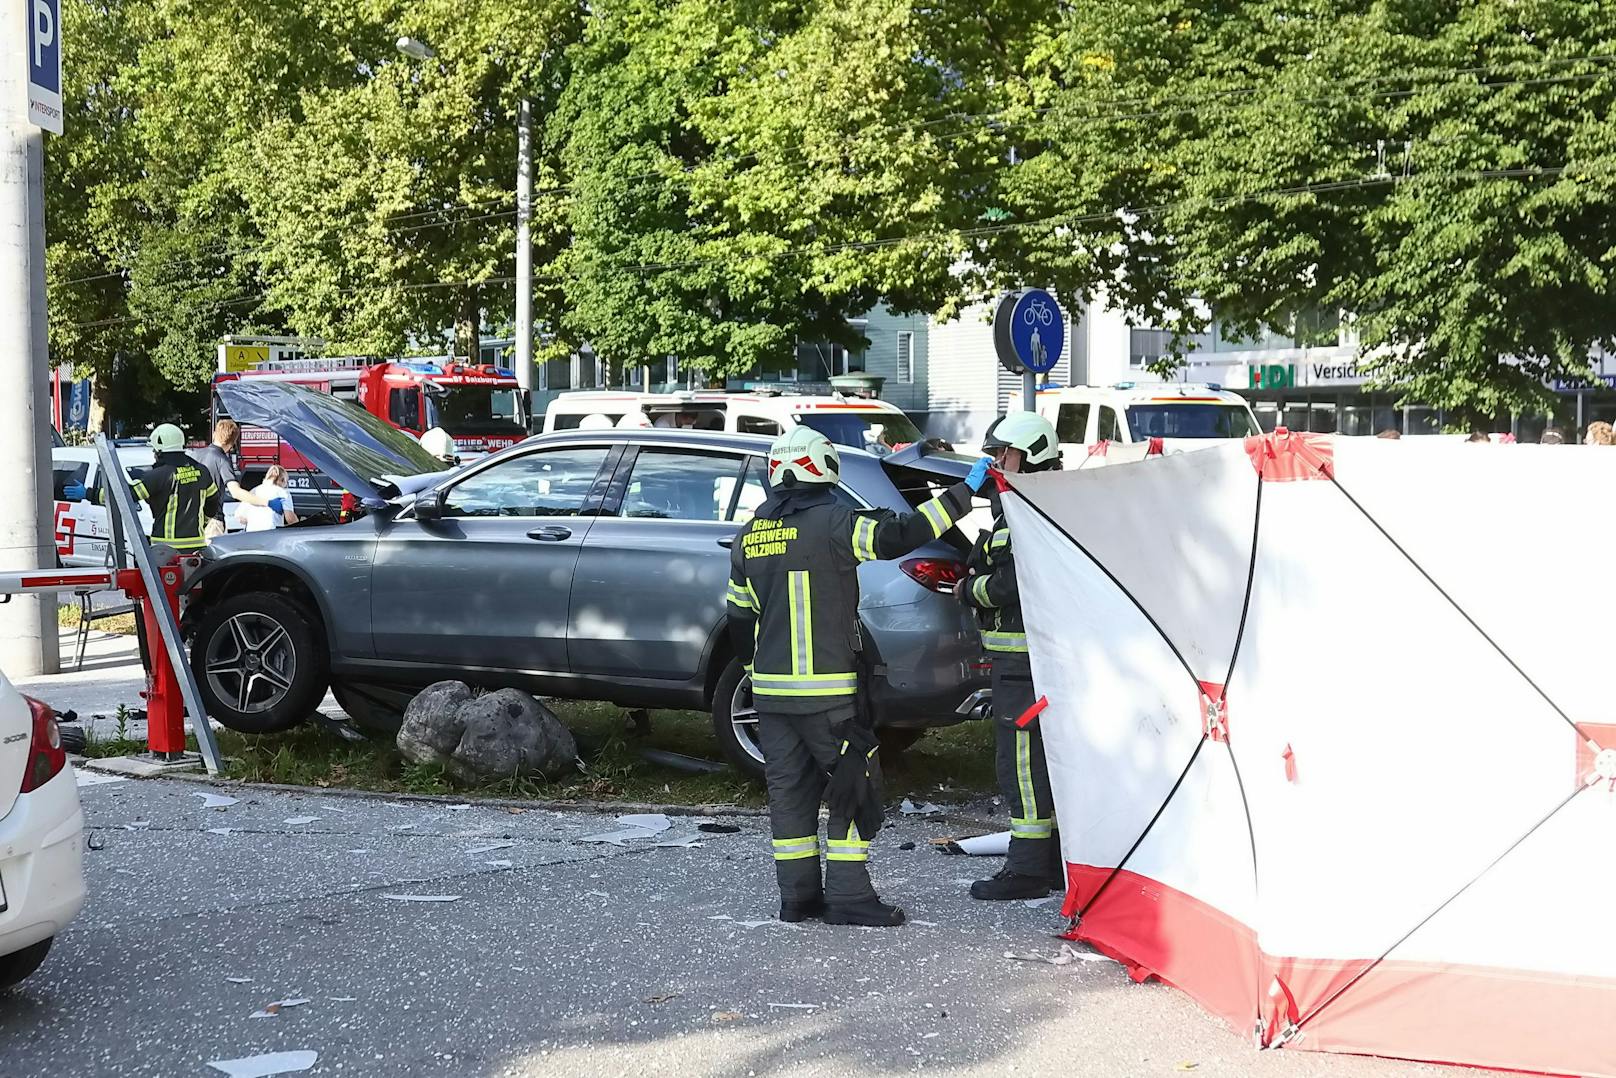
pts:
[581, 564]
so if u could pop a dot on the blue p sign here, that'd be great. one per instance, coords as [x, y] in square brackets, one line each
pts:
[45, 64]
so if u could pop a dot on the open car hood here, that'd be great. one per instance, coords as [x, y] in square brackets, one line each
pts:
[354, 449]
[928, 458]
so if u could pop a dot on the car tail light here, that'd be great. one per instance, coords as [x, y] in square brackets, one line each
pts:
[46, 757]
[938, 574]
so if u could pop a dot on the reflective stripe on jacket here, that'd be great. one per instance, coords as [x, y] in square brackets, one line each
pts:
[992, 591]
[182, 496]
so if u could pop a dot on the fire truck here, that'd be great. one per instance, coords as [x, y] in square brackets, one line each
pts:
[479, 405]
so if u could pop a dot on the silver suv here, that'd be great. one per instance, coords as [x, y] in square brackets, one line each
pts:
[583, 564]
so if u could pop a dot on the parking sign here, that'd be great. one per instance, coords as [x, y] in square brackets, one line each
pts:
[44, 40]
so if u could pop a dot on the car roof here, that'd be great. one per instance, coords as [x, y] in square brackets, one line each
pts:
[712, 439]
[585, 400]
[1146, 391]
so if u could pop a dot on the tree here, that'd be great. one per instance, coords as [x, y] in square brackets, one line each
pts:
[1440, 169]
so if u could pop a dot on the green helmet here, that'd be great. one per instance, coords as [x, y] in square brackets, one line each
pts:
[167, 438]
[1029, 432]
[803, 455]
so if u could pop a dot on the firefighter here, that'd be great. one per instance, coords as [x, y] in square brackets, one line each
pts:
[793, 610]
[181, 493]
[1017, 442]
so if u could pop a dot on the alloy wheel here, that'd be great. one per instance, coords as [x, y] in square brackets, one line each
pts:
[743, 717]
[251, 663]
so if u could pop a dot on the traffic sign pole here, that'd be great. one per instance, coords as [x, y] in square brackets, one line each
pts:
[28, 633]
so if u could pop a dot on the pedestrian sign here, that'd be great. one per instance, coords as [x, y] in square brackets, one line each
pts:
[44, 43]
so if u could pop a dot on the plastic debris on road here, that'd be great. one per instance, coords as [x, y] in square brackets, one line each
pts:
[86, 777]
[1064, 957]
[909, 808]
[223, 830]
[683, 842]
[631, 827]
[239, 980]
[1034, 903]
[423, 898]
[491, 847]
[265, 1065]
[499, 864]
[795, 1006]
[216, 801]
[273, 1010]
[994, 845]
[299, 821]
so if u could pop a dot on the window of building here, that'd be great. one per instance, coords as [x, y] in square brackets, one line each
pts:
[906, 358]
[546, 484]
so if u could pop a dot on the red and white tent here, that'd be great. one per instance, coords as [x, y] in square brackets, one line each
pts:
[1332, 734]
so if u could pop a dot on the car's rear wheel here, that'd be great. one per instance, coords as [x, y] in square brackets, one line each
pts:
[375, 709]
[735, 722]
[18, 965]
[259, 662]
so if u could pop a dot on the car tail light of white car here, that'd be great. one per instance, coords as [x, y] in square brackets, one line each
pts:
[936, 574]
[46, 757]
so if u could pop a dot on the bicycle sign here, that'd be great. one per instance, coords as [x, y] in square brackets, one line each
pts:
[1029, 331]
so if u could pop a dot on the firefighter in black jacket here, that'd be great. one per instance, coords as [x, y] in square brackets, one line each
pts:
[181, 493]
[1018, 442]
[793, 610]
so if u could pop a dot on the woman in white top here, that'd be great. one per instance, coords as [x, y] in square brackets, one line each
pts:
[261, 518]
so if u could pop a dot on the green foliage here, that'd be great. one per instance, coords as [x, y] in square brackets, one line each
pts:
[719, 179]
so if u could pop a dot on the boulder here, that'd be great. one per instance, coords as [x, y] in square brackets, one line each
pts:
[484, 738]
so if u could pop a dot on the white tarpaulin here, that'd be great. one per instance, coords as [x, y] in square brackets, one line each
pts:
[1324, 729]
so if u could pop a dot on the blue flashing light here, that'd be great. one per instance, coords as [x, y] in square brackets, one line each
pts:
[1214, 387]
[422, 368]
[505, 372]
[1126, 385]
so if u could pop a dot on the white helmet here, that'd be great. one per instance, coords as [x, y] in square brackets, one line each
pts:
[167, 438]
[595, 421]
[1029, 432]
[803, 455]
[440, 444]
[634, 420]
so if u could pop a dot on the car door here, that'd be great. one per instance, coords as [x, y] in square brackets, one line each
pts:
[649, 591]
[487, 585]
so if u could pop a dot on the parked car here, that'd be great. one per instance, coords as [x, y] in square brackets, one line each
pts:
[583, 564]
[1139, 411]
[41, 859]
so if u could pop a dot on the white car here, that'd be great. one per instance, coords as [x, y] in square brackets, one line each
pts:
[863, 423]
[83, 528]
[1131, 412]
[41, 828]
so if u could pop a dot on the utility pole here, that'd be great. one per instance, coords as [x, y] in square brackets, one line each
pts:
[524, 247]
[28, 645]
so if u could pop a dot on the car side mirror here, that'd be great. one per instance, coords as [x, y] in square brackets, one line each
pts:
[429, 506]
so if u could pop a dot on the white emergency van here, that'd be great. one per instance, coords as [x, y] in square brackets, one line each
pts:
[860, 422]
[1140, 411]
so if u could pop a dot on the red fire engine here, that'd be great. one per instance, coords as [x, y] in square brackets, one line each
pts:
[480, 406]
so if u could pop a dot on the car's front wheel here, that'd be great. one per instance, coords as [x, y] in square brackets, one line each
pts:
[735, 721]
[259, 662]
[17, 965]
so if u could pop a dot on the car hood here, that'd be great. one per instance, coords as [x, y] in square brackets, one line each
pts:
[929, 459]
[357, 451]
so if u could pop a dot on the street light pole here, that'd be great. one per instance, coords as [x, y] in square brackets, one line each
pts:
[524, 248]
[28, 643]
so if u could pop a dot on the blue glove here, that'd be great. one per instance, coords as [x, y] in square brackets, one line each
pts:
[279, 505]
[979, 474]
[74, 492]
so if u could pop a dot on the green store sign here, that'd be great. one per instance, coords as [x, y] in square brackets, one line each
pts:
[1272, 376]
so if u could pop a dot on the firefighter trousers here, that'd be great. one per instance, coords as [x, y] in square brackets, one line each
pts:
[1023, 774]
[798, 753]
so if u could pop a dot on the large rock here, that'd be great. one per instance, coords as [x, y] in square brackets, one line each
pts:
[480, 739]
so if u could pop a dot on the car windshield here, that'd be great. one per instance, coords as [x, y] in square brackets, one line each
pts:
[878, 432]
[475, 409]
[1189, 421]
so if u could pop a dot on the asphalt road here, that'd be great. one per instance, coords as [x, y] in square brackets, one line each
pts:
[571, 959]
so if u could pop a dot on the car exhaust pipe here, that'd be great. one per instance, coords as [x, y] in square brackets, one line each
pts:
[977, 705]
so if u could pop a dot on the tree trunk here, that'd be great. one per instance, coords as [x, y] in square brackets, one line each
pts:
[100, 421]
[468, 324]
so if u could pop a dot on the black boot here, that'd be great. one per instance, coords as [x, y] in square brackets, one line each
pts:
[1006, 885]
[794, 910]
[872, 913]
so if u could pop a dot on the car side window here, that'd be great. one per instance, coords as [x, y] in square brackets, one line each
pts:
[672, 484]
[545, 484]
[405, 408]
[1110, 428]
[1073, 423]
[751, 424]
[66, 475]
[754, 491]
